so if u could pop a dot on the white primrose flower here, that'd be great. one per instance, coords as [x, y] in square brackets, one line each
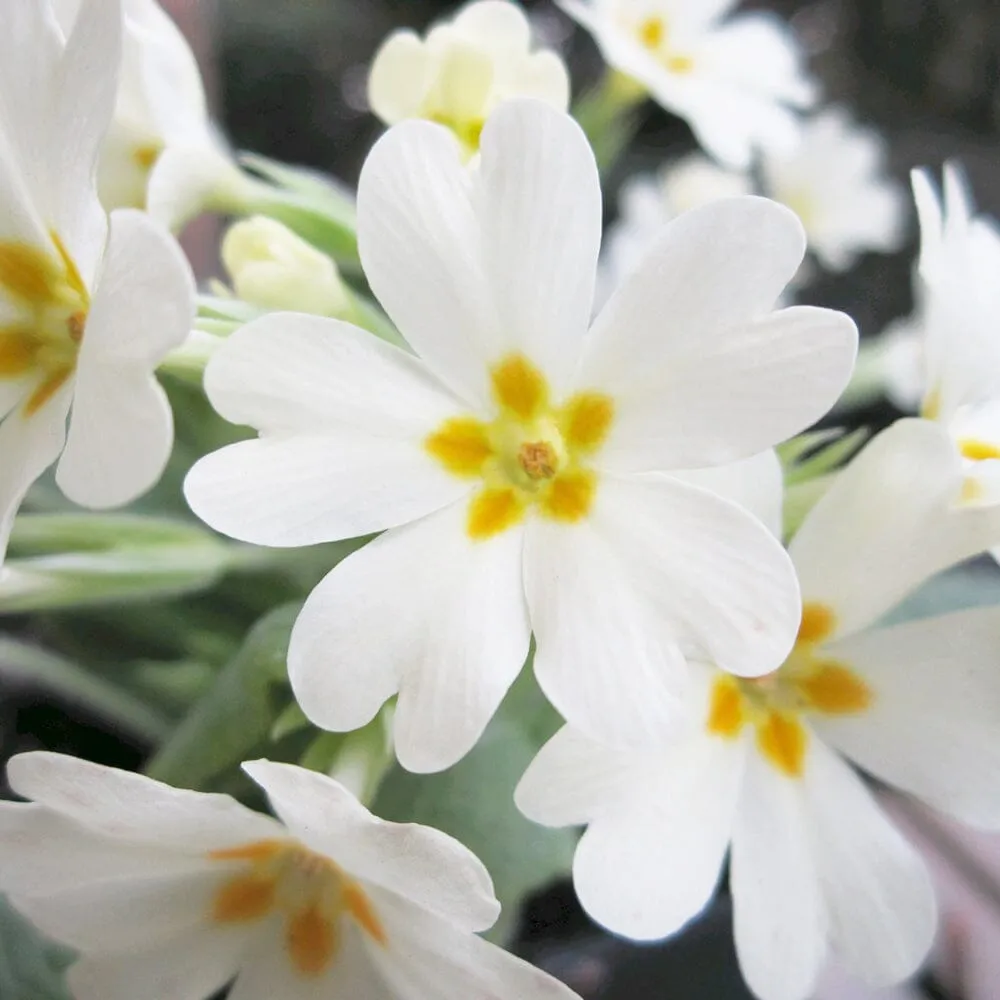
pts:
[958, 319]
[835, 180]
[759, 769]
[172, 894]
[463, 69]
[87, 310]
[513, 460]
[162, 152]
[736, 81]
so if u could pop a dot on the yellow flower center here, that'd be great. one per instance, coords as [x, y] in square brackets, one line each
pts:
[808, 681]
[532, 455]
[51, 301]
[310, 893]
[653, 34]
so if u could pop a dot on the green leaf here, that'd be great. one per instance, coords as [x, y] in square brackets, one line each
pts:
[474, 802]
[237, 714]
[31, 968]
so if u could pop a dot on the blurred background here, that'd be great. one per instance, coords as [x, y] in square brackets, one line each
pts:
[288, 80]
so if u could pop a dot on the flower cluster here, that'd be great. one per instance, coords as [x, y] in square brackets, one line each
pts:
[613, 501]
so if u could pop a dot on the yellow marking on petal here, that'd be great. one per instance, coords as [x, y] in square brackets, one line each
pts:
[972, 490]
[586, 420]
[359, 906]
[835, 690]
[570, 496]
[27, 273]
[680, 64]
[72, 275]
[244, 899]
[930, 409]
[260, 850]
[311, 939]
[978, 451]
[493, 511]
[818, 623]
[44, 392]
[652, 32]
[461, 445]
[518, 386]
[146, 155]
[782, 739]
[726, 715]
[17, 351]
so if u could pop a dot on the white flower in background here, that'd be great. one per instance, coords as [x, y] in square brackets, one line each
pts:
[511, 459]
[161, 152]
[647, 203]
[735, 81]
[463, 69]
[86, 311]
[760, 771]
[273, 268]
[958, 321]
[171, 893]
[835, 180]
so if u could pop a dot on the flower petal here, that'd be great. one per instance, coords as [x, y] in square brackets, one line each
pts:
[878, 893]
[189, 178]
[498, 23]
[889, 521]
[121, 427]
[422, 864]
[932, 725]
[451, 644]
[189, 966]
[399, 77]
[540, 213]
[779, 918]
[130, 807]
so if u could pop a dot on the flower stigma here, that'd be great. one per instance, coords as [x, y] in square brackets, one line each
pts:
[51, 303]
[309, 891]
[773, 704]
[531, 455]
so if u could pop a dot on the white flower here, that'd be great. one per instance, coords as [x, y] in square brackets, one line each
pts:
[647, 203]
[464, 68]
[273, 268]
[161, 152]
[835, 181]
[172, 893]
[510, 459]
[86, 311]
[959, 316]
[815, 866]
[735, 81]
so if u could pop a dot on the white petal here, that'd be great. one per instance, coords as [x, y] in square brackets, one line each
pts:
[649, 865]
[933, 723]
[422, 864]
[399, 77]
[779, 917]
[756, 483]
[544, 77]
[130, 807]
[48, 854]
[121, 427]
[498, 23]
[28, 446]
[428, 612]
[418, 235]
[188, 179]
[428, 959]
[541, 231]
[189, 966]
[20, 221]
[889, 521]
[878, 893]
[736, 394]
[574, 778]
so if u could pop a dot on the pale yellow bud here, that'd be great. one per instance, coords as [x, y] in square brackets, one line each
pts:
[273, 268]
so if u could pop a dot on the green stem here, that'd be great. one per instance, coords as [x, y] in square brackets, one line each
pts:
[609, 114]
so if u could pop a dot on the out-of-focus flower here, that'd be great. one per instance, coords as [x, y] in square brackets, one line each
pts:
[463, 69]
[175, 893]
[273, 268]
[835, 181]
[736, 81]
[161, 153]
[758, 770]
[86, 311]
[511, 459]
